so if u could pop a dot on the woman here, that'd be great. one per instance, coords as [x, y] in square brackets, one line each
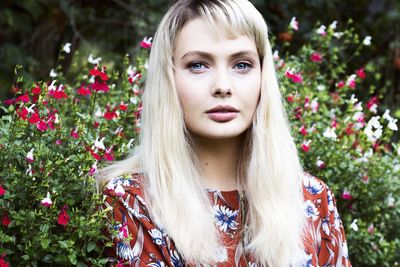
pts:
[216, 178]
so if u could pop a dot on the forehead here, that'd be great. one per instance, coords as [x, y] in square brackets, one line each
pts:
[200, 35]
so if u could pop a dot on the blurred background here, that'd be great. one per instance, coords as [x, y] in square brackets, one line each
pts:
[32, 32]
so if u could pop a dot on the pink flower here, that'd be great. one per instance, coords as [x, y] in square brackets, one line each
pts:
[6, 220]
[8, 101]
[290, 98]
[123, 106]
[146, 42]
[346, 195]
[303, 130]
[2, 191]
[321, 30]
[314, 105]
[63, 217]
[46, 202]
[58, 142]
[93, 169]
[294, 24]
[306, 145]
[124, 230]
[340, 84]
[36, 90]
[41, 125]
[361, 73]
[315, 57]
[365, 179]
[74, 133]
[3, 263]
[351, 81]
[295, 77]
[371, 229]
[109, 154]
[334, 123]
[29, 156]
[372, 104]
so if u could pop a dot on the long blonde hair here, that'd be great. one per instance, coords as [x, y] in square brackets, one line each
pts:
[270, 173]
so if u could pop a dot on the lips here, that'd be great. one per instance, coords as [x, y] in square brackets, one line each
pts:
[222, 113]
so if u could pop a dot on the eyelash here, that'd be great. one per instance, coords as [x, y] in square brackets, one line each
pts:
[247, 66]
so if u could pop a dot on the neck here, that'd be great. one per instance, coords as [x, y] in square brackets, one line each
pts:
[218, 161]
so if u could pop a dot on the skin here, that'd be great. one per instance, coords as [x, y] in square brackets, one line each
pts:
[212, 70]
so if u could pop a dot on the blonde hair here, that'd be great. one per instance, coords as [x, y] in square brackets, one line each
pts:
[270, 170]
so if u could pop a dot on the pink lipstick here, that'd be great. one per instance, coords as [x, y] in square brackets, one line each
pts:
[222, 113]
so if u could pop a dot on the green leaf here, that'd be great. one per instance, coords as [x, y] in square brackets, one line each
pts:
[90, 246]
[45, 243]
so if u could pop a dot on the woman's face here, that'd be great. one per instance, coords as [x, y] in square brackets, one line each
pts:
[218, 79]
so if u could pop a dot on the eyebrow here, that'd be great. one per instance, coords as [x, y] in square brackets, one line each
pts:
[209, 56]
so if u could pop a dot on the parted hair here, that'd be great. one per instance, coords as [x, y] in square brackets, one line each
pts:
[269, 169]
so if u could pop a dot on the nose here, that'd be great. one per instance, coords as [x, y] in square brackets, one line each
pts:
[222, 85]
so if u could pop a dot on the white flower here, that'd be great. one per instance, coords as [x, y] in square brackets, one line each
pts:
[330, 133]
[387, 116]
[157, 236]
[312, 185]
[222, 254]
[29, 155]
[119, 190]
[373, 108]
[333, 25]
[275, 56]
[67, 48]
[351, 79]
[338, 35]
[358, 106]
[314, 105]
[53, 74]
[225, 218]
[46, 202]
[94, 61]
[310, 210]
[321, 87]
[392, 125]
[320, 163]
[367, 40]
[294, 24]
[321, 30]
[99, 143]
[353, 99]
[354, 225]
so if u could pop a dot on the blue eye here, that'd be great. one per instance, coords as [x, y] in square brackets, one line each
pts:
[243, 66]
[197, 66]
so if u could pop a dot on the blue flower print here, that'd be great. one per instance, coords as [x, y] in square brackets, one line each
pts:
[312, 185]
[157, 237]
[311, 210]
[176, 259]
[226, 218]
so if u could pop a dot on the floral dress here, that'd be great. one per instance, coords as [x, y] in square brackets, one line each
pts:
[139, 241]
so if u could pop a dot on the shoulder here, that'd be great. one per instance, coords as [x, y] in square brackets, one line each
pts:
[125, 184]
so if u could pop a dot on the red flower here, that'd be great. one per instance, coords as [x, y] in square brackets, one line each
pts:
[63, 217]
[146, 42]
[35, 118]
[340, 84]
[22, 98]
[109, 154]
[3, 263]
[109, 115]
[97, 73]
[123, 107]
[373, 101]
[6, 220]
[303, 130]
[290, 98]
[84, 91]
[22, 113]
[36, 90]
[315, 57]
[2, 191]
[306, 145]
[361, 73]
[97, 86]
[58, 93]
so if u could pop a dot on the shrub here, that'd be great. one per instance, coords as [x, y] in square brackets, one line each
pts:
[54, 136]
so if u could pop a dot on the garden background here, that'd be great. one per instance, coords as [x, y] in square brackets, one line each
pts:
[73, 104]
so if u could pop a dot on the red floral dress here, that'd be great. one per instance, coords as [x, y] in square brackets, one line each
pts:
[138, 241]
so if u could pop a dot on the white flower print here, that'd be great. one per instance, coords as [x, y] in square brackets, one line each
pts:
[313, 186]
[157, 237]
[226, 218]
[311, 210]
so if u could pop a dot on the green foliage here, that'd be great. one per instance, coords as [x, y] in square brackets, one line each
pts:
[56, 134]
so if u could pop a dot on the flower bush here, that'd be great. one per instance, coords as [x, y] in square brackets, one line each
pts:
[54, 135]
